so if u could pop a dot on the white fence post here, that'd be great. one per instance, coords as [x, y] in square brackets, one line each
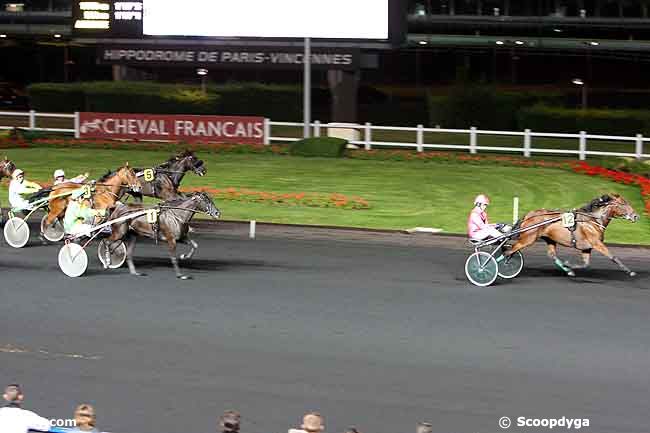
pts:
[583, 146]
[515, 209]
[317, 128]
[77, 132]
[420, 138]
[527, 140]
[251, 231]
[267, 131]
[367, 136]
[639, 146]
[32, 120]
[472, 139]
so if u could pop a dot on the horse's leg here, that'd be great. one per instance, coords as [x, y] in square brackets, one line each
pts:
[193, 248]
[551, 251]
[118, 232]
[130, 246]
[171, 244]
[602, 249]
[586, 258]
[525, 239]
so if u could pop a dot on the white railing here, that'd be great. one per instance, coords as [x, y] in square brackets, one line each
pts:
[365, 132]
[473, 134]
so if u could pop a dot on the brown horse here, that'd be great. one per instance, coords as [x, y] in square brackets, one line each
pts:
[588, 232]
[6, 168]
[108, 190]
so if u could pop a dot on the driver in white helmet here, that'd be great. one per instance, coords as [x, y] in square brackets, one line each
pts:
[59, 177]
[478, 227]
[18, 187]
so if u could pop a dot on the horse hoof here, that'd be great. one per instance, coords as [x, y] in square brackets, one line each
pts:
[632, 274]
[571, 274]
[139, 274]
[182, 257]
[184, 277]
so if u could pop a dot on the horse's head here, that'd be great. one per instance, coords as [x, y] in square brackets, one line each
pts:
[6, 167]
[186, 161]
[205, 204]
[619, 207]
[127, 177]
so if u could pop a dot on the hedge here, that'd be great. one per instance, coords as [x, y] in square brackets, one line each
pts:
[607, 122]
[276, 102]
[483, 106]
[319, 146]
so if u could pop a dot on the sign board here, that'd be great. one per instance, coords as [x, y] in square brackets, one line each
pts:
[187, 128]
[336, 19]
[229, 56]
[253, 20]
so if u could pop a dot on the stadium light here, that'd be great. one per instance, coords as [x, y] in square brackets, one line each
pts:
[422, 42]
[56, 35]
[202, 72]
[500, 42]
[594, 43]
[3, 36]
[519, 42]
[583, 87]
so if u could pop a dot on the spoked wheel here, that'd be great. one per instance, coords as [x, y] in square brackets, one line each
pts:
[510, 267]
[53, 232]
[118, 253]
[16, 232]
[481, 269]
[73, 260]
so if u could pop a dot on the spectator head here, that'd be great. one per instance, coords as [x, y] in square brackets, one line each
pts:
[424, 427]
[312, 422]
[229, 421]
[13, 394]
[84, 417]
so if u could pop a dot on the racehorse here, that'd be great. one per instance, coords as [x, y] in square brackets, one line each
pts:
[6, 168]
[586, 234]
[172, 226]
[168, 176]
[108, 189]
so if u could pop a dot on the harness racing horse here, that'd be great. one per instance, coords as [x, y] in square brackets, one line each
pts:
[171, 225]
[6, 168]
[587, 233]
[108, 189]
[168, 176]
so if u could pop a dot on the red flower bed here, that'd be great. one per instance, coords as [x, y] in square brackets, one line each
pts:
[290, 199]
[619, 177]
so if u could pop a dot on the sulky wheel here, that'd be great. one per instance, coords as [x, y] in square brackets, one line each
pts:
[16, 232]
[54, 232]
[481, 269]
[118, 253]
[73, 260]
[510, 267]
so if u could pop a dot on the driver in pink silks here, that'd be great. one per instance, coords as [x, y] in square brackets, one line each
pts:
[478, 227]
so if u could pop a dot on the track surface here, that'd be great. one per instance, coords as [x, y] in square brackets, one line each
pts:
[377, 331]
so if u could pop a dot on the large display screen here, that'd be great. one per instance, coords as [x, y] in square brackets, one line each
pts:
[331, 19]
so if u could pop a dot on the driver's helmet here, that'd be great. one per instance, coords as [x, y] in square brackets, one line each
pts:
[59, 173]
[481, 199]
[17, 172]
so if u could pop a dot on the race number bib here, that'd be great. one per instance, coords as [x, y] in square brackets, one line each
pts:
[152, 216]
[568, 220]
[149, 174]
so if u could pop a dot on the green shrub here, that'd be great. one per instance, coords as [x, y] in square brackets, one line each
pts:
[607, 122]
[319, 146]
[483, 106]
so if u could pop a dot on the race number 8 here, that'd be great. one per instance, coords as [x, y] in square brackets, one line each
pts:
[568, 220]
[148, 175]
